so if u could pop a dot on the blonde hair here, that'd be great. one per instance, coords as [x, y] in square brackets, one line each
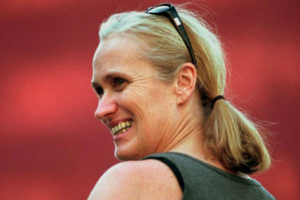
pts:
[232, 138]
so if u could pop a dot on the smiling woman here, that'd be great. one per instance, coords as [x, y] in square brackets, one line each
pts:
[128, 95]
[160, 82]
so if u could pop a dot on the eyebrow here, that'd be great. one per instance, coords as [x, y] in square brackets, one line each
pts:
[107, 77]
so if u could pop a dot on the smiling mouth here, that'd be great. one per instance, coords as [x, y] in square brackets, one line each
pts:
[121, 127]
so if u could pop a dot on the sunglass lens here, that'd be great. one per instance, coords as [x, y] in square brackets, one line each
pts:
[157, 10]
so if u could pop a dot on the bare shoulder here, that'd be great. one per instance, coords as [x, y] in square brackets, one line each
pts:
[146, 179]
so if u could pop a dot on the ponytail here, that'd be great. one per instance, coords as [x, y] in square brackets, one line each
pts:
[235, 140]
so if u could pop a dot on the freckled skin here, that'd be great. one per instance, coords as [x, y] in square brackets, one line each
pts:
[149, 102]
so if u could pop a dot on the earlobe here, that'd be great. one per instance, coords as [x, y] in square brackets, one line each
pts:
[185, 82]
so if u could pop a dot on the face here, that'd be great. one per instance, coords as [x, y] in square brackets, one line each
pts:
[137, 108]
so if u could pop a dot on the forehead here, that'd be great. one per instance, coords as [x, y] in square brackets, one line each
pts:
[116, 49]
[118, 54]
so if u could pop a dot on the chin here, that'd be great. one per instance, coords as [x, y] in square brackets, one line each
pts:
[126, 155]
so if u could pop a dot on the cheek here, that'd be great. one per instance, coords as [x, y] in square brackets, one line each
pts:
[136, 99]
[161, 99]
[149, 103]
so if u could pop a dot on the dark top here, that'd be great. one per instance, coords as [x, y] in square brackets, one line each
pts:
[201, 181]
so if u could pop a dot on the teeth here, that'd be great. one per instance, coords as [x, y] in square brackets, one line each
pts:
[123, 124]
[121, 127]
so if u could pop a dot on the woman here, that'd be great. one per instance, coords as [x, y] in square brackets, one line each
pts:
[160, 85]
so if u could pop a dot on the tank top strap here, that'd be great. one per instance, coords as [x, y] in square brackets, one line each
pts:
[167, 159]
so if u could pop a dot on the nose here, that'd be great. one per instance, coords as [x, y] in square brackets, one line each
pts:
[106, 107]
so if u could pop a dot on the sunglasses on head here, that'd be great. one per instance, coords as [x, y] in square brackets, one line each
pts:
[169, 11]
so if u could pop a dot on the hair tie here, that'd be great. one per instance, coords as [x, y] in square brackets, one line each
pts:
[216, 99]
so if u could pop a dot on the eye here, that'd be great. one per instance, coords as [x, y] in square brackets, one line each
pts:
[99, 91]
[119, 83]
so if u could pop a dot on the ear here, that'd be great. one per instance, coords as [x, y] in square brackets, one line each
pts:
[185, 82]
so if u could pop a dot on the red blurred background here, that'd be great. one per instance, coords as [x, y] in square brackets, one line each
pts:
[52, 147]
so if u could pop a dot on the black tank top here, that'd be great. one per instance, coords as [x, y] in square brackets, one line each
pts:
[201, 181]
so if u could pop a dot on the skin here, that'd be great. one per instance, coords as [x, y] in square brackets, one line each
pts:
[165, 117]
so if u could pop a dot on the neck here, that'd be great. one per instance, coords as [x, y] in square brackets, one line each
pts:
[188, 138]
